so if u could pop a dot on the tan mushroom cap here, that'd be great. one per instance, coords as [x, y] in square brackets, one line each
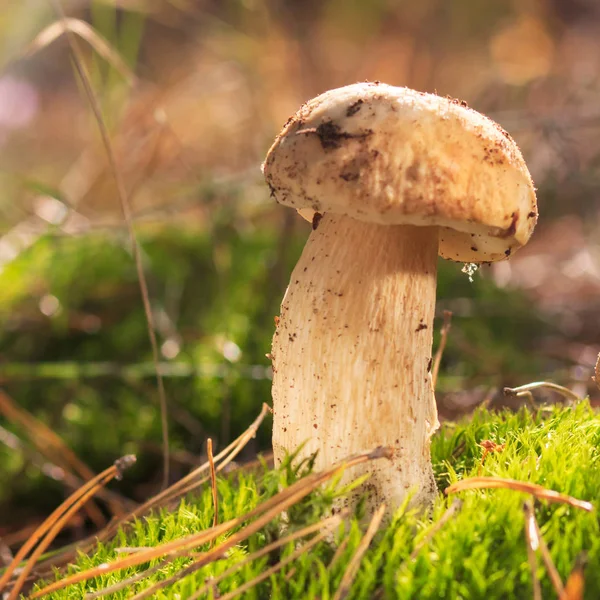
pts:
[394, 156]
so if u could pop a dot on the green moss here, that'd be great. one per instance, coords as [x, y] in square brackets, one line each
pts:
[479, 553]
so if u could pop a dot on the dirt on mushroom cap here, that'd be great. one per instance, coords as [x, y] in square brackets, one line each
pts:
[392, 155]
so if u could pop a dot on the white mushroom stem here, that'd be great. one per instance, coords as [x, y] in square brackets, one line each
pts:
[352, 354]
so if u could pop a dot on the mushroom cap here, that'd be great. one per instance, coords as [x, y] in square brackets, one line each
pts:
[393, 156]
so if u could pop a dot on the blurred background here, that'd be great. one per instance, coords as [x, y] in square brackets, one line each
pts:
[193, 93]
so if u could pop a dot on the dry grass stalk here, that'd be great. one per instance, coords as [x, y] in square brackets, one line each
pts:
[84, 77]
[354, 563]
[447, 324]
[596, 376]
[548, 562]
[213, 482]
[453, 509]
[475, 483]
[86, 32]
[50, 528]
[181, 547]
[532, 544]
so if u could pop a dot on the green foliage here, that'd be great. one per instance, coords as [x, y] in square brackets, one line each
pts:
[86, 369]
[479, 553]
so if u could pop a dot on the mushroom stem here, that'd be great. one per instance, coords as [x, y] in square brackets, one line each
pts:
[352, 354]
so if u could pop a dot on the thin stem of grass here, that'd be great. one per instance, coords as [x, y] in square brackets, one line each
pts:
[54, 523]
[213, 482]
[548, 562]
[191, 481]
[339, 551]
[447, 324]
[532, 545]
[126, 210]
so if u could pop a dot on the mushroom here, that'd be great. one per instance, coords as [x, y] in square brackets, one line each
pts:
[390, 177]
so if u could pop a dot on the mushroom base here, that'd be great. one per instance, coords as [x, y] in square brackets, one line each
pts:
[352, 356]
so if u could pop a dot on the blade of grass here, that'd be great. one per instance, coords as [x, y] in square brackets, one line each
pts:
[474, 483]
[126, 210]
[354, 563]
